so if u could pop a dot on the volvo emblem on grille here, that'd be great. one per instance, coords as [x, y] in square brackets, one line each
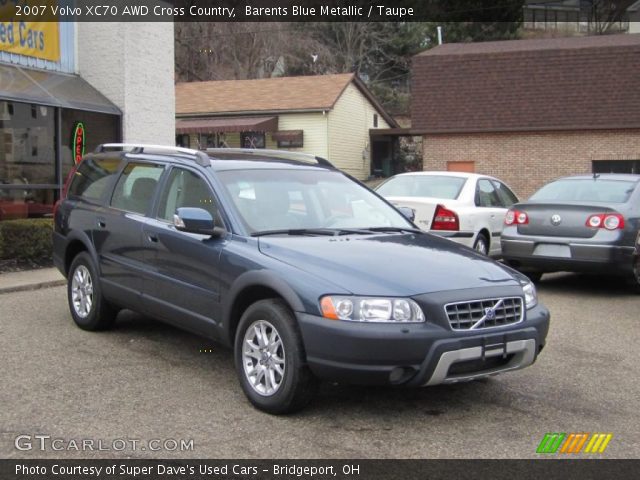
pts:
[489, 314]
[556, 219]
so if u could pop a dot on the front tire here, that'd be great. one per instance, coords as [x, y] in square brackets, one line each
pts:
[89, 310]
[270, 359]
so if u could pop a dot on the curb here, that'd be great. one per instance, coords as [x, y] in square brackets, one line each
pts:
[33, 286]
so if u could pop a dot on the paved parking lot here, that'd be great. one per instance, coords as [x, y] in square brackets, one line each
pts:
[145, 380]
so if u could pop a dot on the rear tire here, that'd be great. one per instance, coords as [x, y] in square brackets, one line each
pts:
[634, 281]
[481, 245]
[270, 359]
[89, 310]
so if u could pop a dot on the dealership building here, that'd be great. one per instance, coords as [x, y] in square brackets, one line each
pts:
[66, 87]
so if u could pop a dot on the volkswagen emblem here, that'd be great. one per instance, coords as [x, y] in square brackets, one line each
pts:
[556, 220]
[489, 314]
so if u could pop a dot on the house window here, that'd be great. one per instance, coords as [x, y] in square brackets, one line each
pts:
[183, 141]
[375, 120]
[289, 138]
[252, 139]
[616, 166]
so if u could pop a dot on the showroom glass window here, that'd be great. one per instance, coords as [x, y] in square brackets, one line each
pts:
[27, 147]
[98, 127]
[28, 182]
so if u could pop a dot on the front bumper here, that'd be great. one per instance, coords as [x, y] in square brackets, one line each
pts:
[571, 255]
[418, 354]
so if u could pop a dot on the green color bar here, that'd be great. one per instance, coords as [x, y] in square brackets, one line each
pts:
[551, 442]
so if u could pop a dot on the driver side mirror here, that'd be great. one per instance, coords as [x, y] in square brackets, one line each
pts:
[195, 220]
[408, 213]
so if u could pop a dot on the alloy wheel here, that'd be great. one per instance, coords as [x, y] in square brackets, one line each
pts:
[82, 291]
[263, 358]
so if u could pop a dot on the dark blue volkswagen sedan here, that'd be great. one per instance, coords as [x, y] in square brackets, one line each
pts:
[302, 270]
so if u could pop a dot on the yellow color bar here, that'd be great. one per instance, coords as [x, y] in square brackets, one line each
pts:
[598, 443]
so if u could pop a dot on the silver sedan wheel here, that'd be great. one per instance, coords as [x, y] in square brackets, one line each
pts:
[82, 291]
[481, 246]
[263, 358]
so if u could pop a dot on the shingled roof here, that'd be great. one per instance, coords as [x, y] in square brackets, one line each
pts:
[268, 95]
[570, 83]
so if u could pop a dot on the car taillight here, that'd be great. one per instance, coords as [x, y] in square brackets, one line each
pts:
[610, 221]
[516, 217]
[445, 219]
[65, 189]
[67, 182]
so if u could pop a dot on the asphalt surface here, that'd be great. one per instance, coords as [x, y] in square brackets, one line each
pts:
[145, 380]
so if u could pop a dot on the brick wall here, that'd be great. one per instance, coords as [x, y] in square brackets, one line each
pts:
[527, 160]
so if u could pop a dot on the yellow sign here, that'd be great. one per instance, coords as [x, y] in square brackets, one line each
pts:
[33, 39]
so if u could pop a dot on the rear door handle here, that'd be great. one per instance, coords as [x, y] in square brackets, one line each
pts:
[101, 223]
[152, 238]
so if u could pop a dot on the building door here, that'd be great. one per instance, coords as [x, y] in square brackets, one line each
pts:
[468, 167]
[382, 158]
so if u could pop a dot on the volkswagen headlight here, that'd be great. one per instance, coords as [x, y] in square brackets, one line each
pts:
[371, 309]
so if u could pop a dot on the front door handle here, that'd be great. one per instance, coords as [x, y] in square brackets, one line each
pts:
[152, 238]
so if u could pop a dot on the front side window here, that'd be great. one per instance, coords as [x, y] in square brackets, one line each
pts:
[281, 199]
[136, 186]
[186, 189]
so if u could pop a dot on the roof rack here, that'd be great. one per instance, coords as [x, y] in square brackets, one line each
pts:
[301, 157]
[201, 158]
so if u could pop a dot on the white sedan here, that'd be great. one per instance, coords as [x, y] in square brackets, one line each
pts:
[465, 207]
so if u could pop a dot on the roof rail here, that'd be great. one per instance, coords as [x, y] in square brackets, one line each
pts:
[299, 156]
[201, 158]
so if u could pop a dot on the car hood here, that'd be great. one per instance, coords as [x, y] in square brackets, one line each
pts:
[389, 264]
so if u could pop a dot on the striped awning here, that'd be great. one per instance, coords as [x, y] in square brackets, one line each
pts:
[227, 124]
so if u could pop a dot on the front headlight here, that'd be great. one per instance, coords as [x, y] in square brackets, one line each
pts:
[371, 309]
[530, 295]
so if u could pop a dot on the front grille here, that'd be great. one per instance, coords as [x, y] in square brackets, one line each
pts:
[464, 315]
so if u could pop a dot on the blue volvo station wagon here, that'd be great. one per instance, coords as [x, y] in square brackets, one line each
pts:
[300, 269]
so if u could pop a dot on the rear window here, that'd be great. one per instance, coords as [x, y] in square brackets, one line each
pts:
[435, 186]
[586, 190]
[92, 177]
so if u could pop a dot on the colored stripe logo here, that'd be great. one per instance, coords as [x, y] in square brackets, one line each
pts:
[574, 443]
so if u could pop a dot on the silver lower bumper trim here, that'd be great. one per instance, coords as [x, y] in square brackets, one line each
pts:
[524, 354]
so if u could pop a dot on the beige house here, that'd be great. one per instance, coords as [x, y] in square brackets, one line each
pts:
[329, 115]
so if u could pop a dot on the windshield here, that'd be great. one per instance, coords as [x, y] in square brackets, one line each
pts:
[278, 199]
[435, 186]
[585, 190]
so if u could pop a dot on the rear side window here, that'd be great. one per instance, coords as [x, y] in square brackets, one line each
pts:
[136, 186]
[487, 195]
[93, 176]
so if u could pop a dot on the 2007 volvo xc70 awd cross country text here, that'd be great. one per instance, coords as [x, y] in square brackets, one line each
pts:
[303, 271]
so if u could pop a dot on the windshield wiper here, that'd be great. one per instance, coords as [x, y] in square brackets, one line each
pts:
[330, 232]
[395, 229]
